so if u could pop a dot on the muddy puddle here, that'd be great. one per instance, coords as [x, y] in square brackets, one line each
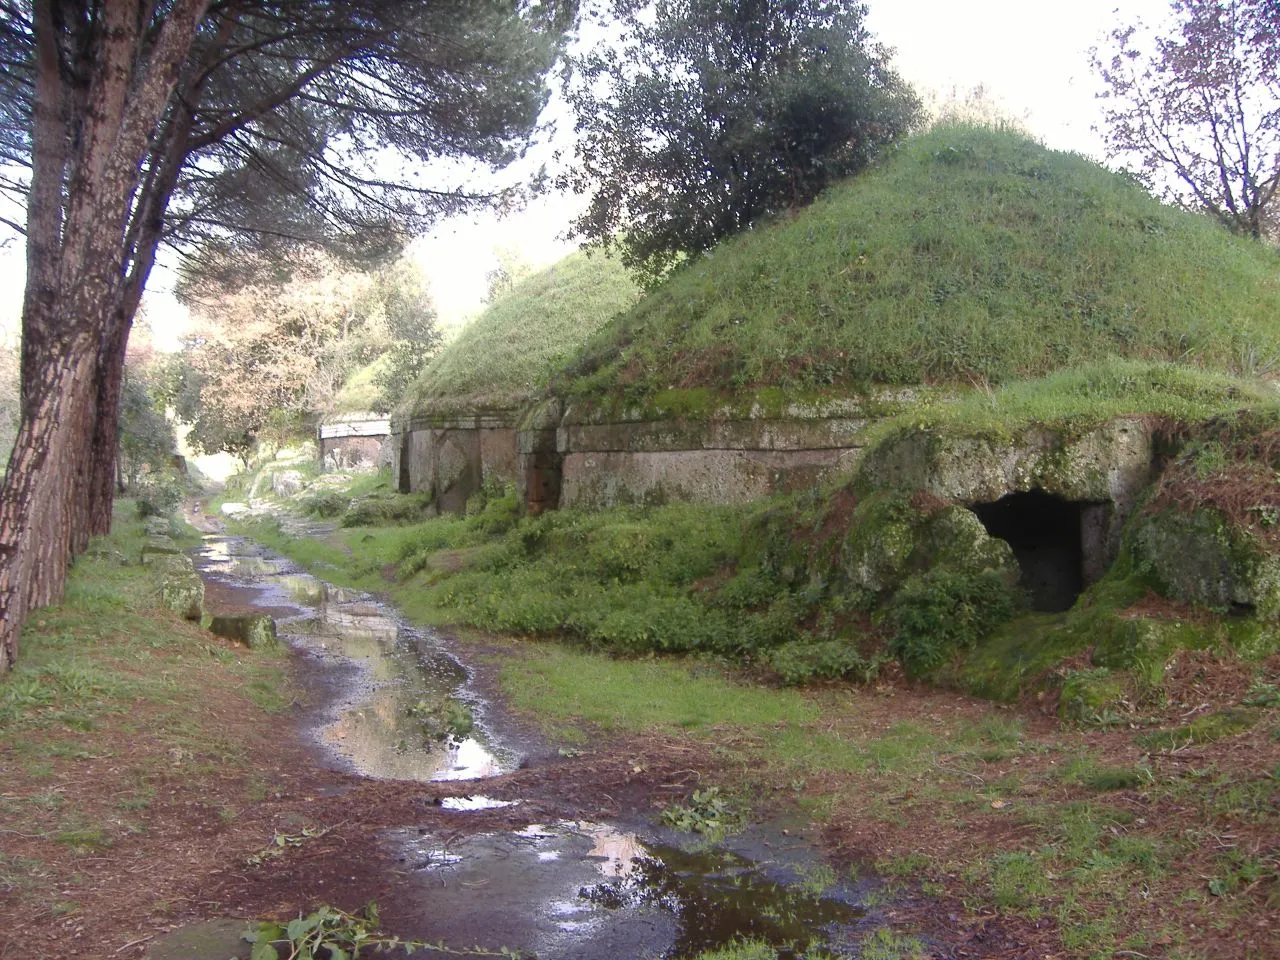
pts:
[397, 704]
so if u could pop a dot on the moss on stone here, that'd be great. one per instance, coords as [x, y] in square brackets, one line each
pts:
[175, 564]
[1198, 557]
[879, 544]
[1252, 639]
[954, 536]
[158, 547]
[256, 631]
[184, 595]
[1015, 659]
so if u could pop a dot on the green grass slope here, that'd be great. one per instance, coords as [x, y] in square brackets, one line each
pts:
[970, 256]
[507, 354]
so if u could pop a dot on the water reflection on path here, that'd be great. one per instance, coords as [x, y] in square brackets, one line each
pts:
[403, 710]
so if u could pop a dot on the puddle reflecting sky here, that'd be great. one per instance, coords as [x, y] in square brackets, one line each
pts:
[406, 714]
[577, 887]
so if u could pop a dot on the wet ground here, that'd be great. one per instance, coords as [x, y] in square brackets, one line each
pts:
[391, 702]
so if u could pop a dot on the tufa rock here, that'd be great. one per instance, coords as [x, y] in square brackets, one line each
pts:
[257, 631]
[287, 483]
[1198, 557]
[184, 595]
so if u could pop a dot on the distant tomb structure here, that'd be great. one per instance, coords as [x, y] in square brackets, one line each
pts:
[354, 441]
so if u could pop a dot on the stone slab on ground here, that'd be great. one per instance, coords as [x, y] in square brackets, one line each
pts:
[184, 595]
[206, 940]
[256, 631]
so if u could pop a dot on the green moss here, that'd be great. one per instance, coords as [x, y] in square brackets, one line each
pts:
[184, 595]
[1252, 639]
[1146, 645]
[256, 631]
[1090, 696]
[1207, 728]
[880, 542]
[1199, 557]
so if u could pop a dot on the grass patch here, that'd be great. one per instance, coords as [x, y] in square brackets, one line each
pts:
[1079, 397]
[562, 686]
[743, 950]
[885, 944]
[110, 694]
[1018, 880]
[1207, 728]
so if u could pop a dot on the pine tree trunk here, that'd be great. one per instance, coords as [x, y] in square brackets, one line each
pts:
[106, 432]
[37, 497]
[91, 131]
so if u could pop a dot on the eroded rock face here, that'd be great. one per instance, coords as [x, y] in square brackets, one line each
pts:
[1111, 462]
[1104, 469]
[1197, 557]
[890, 539]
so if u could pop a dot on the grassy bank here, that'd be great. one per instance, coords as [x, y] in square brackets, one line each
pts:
[970, 255]
[121, 729]
[506, 355]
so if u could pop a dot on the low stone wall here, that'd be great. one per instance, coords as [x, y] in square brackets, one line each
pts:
[586, 457]
[704, 461]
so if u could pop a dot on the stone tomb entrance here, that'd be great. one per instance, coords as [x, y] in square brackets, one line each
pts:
[1059, 544]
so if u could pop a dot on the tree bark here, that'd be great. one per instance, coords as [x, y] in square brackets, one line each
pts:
[105, 438]
[87, 147]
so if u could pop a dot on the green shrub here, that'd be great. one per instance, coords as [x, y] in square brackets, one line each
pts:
[158, 496]
[802, 661]
[941, 611]
[386, 509]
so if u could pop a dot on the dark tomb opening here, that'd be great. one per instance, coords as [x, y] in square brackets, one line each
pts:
[1046, 536]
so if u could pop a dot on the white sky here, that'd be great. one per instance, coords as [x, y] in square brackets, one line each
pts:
[1031, 56]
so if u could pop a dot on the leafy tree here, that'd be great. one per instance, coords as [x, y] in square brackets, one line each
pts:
[282, 345]
[147, 440]
[1199, 107]
[709, 114]
[251, 123]
[408, 315]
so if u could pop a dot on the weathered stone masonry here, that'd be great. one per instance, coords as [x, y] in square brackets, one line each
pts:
[1059, 498]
